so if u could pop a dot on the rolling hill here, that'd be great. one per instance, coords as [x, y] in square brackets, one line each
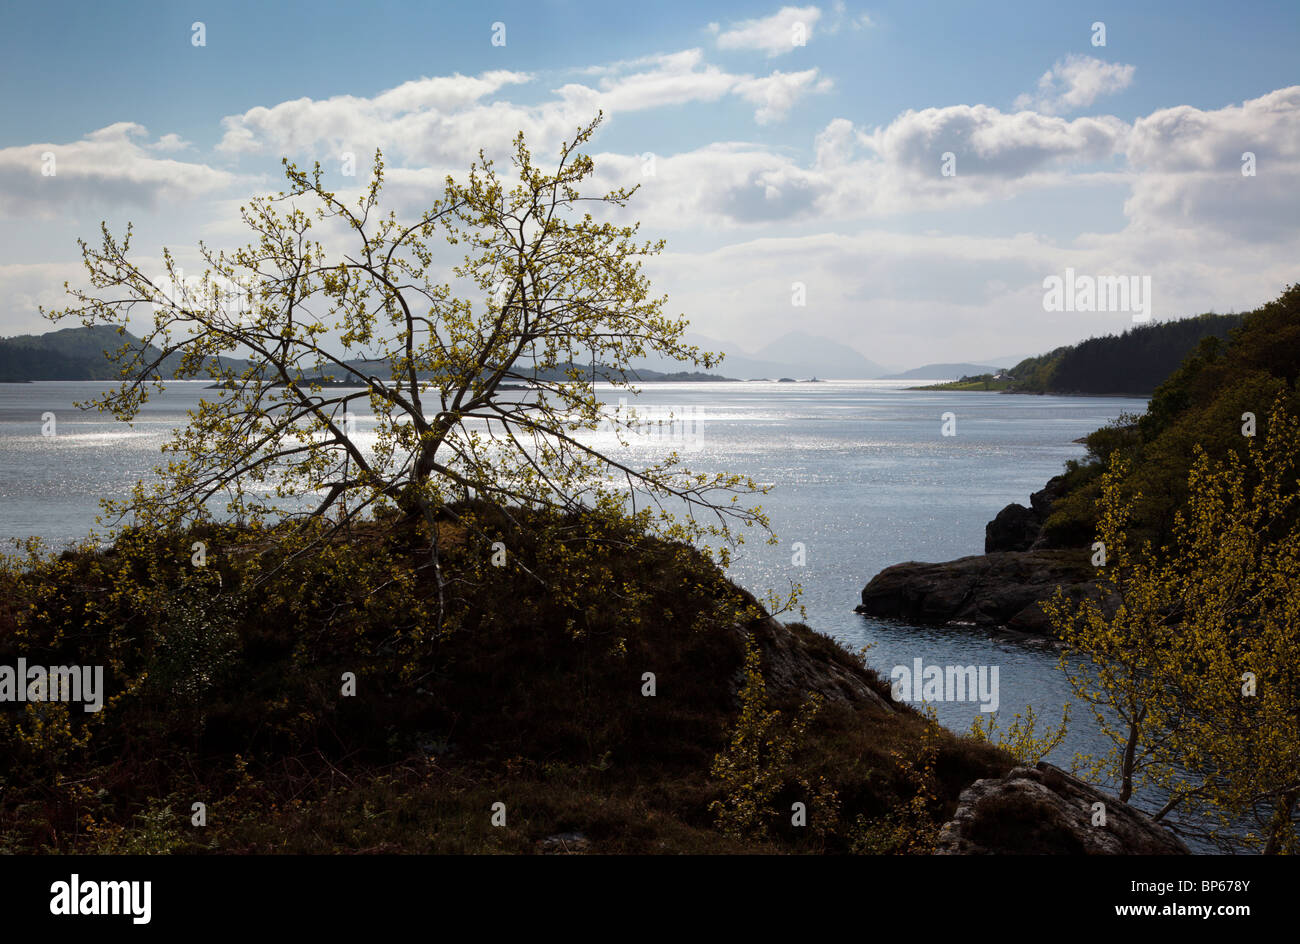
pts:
[79, 354]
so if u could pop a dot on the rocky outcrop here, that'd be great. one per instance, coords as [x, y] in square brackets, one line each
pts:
[1043, 810]
[798, 661]
[1014, 529]
[1017, 528]
[1002, 589]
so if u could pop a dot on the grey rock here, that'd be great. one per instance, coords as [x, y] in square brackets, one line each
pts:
[1043, 810]
[1014, 529]
[1017, 528]
[1003, 589]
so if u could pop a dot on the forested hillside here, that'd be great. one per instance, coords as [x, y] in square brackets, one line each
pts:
[1134, 362]
[78, 354]
[70, 354]
[1204, 402]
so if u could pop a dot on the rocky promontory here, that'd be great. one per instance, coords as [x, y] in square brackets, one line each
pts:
[1001, 588]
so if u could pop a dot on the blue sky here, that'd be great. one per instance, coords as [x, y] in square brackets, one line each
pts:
[776, 162]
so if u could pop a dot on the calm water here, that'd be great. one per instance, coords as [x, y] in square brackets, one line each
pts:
[861, 477]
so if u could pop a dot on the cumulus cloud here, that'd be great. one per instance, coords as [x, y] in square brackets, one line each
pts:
[1189, 139]
[1189, 165]
[672, 79]
[170, 142]
[986, 141]
[812, 210]
[858, 173]
[1076, 82]
[719, 186]
[774, 35]
[110, 166]
[1211, 235]
[776, 94]
[414, 117]
[681, 77]
[445, 121]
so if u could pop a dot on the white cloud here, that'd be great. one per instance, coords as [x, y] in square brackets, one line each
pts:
[681, 77]
[858, 174]
[111, 166]
[1076, 82]
[415, 117]
[25, 288]
[835, 144]
[840, 16]
[1209, 238]
[171, 142]
[674, 79]
[909, 298]
[1189, 139]
[776, 34]
[445, 121]
[776, 94]
[988, 142]
[1188, 167]
[719, 186]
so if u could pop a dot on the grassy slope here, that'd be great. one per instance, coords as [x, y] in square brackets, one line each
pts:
[978, 384]
[535, 701]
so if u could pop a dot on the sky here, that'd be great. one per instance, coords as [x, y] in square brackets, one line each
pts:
[920, 169]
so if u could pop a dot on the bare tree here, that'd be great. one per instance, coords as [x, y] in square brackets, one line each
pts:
[318, 334]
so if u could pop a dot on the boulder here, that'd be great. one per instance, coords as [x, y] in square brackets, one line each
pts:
[1014, 529]
[1043, 810]
[1017, 528]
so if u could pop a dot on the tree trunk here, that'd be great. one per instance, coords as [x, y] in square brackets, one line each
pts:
[1130, 752]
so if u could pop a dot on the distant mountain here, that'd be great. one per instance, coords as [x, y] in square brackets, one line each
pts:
[822, 357]
[637, 375]
[943, 372]
[795, 354]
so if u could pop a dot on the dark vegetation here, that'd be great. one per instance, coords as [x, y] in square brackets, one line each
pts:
[1132, 363]
[82, 354]
[225, 687]
[1202, 402]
